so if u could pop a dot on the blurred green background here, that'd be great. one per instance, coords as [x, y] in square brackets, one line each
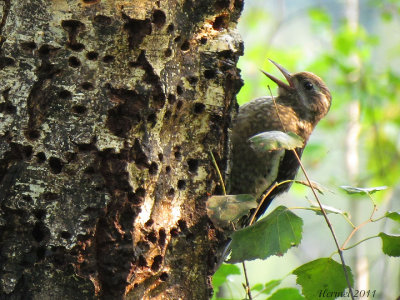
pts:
[355, 47]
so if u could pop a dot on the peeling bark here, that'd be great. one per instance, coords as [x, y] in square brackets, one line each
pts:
[108, 113]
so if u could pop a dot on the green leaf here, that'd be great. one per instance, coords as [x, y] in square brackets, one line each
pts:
[357, 190]
[386, 16]
[286, 294]
[270, 285]
[275, 140]
[272, 235]
[319, 15]
[390, 244]
[394, 215]
[224, 209]
[257, 287]
[222, 274]
[323, 274]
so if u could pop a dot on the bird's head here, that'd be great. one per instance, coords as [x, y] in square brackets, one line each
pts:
[304, 90]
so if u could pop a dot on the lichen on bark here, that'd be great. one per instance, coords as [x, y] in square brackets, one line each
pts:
[109, 110]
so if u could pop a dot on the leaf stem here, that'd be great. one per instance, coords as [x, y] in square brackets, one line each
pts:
[378, 219]
[348, 221]
[359, 242]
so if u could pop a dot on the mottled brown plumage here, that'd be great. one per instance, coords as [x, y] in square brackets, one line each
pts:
[300, 104]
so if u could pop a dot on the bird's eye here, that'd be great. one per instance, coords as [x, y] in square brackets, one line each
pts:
[308, 85]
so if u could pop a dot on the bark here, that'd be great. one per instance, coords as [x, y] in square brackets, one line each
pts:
[109, 110]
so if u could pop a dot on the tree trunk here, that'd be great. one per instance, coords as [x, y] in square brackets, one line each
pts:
[109, 111]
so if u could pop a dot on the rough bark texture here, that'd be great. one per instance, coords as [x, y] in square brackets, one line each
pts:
[108, 112]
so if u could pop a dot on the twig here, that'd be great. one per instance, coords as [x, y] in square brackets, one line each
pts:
[269, 191]
[219, 172]
[253, 216]
[354, 231]
[361, 225]
[346, 275]
[247, 287]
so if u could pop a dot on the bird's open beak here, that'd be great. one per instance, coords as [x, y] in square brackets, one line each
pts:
[285, 73]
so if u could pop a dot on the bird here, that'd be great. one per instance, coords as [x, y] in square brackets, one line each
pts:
[301, 103]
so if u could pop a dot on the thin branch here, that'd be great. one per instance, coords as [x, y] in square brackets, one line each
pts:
[247, 287]
[354, 231]
[269, 191]
[219, 172]
[253, 216]
[362, 224]
[320, 205]
[329, 225]
[373, 203]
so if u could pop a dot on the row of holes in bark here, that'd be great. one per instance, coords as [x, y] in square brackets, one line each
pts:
[152, 237]
[174, 232]
[47, 50]
[198, 107]
[74, 62]
[56, 164]
[159, 19]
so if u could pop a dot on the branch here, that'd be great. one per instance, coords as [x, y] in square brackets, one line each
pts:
[320, 205]
[329, 225]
